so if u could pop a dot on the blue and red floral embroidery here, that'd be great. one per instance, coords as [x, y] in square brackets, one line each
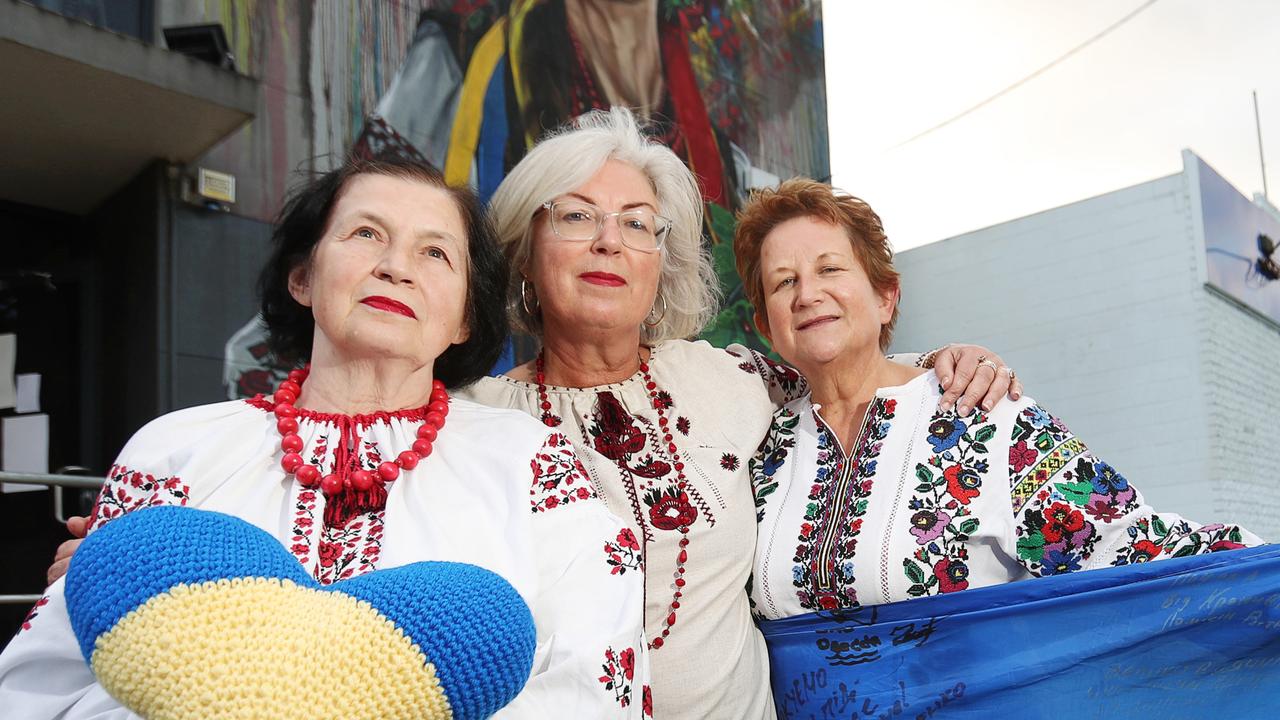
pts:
[558, 476]
[942, 520]
[1154, 537]
[823, 570]
[1063, 492]
[772, 454]
[127, 490]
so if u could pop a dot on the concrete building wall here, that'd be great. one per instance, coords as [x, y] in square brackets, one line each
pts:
[1097, 306]
[323, 67]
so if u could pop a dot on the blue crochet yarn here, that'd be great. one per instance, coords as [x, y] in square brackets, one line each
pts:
[469, 622]
[144, 553]
[478, 659]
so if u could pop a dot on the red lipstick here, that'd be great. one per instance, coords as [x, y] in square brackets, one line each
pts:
[603, 278]
[386, 304]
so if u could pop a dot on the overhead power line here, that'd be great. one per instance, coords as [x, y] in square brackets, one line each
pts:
[1106, 31]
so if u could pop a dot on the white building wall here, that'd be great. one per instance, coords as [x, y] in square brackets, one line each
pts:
[1241, 361]
[1097, 305]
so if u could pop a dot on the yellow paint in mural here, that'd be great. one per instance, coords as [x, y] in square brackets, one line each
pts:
[465, 135]
[519, 11]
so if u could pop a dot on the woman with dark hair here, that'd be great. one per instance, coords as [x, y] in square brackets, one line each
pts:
[390, 285]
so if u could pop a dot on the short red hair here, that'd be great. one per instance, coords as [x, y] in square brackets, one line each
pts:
[801, 197]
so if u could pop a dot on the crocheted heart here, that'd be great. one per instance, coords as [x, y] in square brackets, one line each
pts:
[186, 613]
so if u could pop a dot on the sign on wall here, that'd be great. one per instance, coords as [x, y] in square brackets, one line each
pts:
[1240, 238]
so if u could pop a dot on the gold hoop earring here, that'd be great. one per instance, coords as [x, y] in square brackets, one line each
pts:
[654, 322]
[524, 299]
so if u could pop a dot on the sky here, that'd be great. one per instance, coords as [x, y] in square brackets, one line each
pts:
[1179, 74]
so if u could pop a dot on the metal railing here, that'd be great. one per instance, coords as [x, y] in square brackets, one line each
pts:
[52, 480]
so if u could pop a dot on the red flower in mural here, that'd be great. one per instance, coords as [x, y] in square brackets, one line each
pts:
[1060, 519]
[255, 382]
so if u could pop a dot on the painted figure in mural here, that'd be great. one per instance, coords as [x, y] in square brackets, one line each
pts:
[950, 500]
[736, 89]
[601, 228]
[392, 286]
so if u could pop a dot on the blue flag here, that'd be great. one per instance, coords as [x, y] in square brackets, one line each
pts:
[1195, 637]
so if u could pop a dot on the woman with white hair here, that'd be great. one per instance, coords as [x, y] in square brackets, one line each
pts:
[602, 229]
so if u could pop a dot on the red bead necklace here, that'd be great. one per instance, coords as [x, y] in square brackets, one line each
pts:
[334, 484]
[682, 485]
[544, 404]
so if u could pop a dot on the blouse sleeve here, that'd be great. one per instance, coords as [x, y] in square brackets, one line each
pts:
[783, 381]
[141, 476]
[42, 672]
[1073, 511]
[591, 658]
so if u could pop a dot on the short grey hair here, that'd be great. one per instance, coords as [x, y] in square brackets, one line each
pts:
[566, 159]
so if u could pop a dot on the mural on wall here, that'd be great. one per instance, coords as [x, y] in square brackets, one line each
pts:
[735, 87]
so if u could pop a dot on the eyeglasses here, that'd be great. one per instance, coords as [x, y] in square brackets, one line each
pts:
[642, 230]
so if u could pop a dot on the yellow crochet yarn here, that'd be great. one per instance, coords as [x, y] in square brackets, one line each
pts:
[358, 664]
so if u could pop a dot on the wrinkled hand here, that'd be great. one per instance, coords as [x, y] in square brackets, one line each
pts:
[78, 527]
[972, 384]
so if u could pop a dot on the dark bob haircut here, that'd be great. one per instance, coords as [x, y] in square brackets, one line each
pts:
[291, 326]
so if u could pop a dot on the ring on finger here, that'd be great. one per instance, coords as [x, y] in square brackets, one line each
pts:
[1006, 369]
[987, 363]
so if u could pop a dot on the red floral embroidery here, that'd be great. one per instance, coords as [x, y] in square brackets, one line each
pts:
[558, 476]
[1060, 520]
[729, 462]
[623, 553]
[619, 670]
[670, 509]
[127, 490]
[1021, 456]
[646, 701]
[962, 483]
[952, 575]
[31, 615]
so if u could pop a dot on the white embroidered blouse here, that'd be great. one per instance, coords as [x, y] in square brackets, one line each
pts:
[718, 404]
[499, 490]
[927, 502]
